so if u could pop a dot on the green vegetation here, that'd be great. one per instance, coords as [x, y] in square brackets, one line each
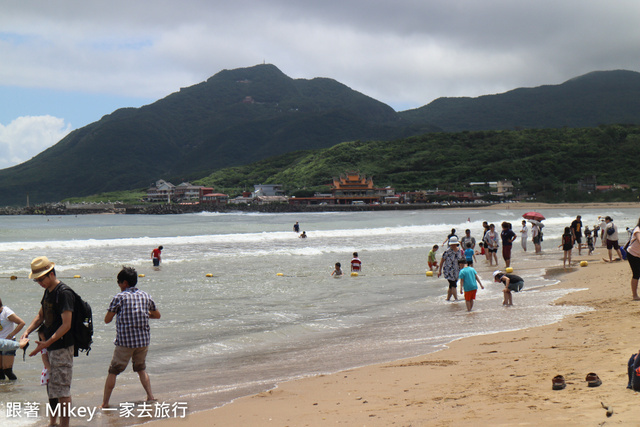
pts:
[546, 163]
[127, 197]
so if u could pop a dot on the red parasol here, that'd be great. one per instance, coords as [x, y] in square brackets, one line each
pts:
[533, 215]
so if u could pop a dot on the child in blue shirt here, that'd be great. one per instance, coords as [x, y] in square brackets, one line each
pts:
[468, 278]
[470, 255]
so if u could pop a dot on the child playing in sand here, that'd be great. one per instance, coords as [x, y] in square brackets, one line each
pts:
[589, 237]
[567, 246]
[469, 255]
[468, 278]
[431, 258]
[481, 251]
[338, 270]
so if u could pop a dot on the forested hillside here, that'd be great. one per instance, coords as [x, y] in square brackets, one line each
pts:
[544, 162]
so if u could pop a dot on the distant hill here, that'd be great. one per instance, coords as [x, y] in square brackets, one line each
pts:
[601, 97]
[235, 117]
[245, 115]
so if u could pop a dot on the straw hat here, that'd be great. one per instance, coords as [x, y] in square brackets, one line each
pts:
[40, 266]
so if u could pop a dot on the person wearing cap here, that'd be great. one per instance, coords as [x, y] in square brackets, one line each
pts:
[449, 263]
[512, 283]
[133, 308]
[54, 321]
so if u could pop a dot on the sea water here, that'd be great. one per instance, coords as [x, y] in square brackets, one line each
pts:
[270, 310]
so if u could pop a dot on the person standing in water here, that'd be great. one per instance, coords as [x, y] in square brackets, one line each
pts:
[469, 281]
[156, 256]
[524, 234]
[449, 263]
[356, 264]
[132, 309]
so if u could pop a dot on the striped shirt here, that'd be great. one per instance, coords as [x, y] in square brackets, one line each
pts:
[132, 307]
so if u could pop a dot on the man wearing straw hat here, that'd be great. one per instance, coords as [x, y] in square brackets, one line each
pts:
[54, 318]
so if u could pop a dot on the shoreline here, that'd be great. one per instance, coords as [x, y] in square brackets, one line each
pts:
[176, 209]
[503, 378]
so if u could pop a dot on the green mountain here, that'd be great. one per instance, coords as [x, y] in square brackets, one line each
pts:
[244, 115]
[235, 117]
[601, 97]
[545, 162]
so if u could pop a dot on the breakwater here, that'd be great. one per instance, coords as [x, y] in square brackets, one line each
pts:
[174, 208]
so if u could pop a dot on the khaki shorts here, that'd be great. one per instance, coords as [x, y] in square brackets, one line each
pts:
[61, 371]
[122, 355]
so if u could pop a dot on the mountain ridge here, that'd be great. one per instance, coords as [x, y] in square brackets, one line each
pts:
[243, 115]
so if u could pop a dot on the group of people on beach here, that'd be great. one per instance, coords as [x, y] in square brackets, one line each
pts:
[54, 322]
[457, 263]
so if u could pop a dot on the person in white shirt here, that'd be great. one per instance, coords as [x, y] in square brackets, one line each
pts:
[524, 233]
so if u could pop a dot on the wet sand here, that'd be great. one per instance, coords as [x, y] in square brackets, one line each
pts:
[498, 379]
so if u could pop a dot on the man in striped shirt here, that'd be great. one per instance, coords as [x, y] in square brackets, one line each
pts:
[133, 308]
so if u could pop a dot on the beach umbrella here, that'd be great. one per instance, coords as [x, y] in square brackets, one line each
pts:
[533, 215]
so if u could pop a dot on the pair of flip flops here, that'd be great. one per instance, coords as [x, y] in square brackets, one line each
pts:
[558, 382]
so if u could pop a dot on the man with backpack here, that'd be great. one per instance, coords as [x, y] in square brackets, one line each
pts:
[133, 308]
[55, 320]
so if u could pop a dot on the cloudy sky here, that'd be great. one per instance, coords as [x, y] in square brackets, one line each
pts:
[66, 63]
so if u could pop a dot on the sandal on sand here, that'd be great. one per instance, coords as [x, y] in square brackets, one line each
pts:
[593, 380]
[558, 382]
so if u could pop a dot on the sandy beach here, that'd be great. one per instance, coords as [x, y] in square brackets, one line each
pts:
[498, 379]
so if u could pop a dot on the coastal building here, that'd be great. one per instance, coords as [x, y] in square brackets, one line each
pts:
[240, 200]
[214, 198]
[188, 192]
[316, 199]
[268, 190]
[263, 200]
[354, 187]
[161, 191]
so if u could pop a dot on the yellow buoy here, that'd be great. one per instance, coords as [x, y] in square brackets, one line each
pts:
[279, 274]
[77, 276]
[209, 275]
[354, 274]
[509, 270]
[583, 263]
[429, 273]
[140, 275]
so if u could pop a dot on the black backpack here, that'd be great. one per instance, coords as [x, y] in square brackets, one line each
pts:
[81, 324]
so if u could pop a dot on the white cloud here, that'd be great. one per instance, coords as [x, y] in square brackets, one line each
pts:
[403, 52]
[27, 136]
